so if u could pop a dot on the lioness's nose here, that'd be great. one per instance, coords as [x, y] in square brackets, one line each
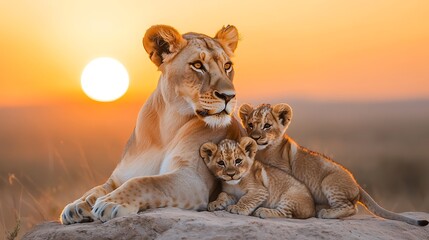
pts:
[224, 96]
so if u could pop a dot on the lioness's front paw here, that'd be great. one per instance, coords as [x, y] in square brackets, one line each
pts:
[215, 205]
[237, 210]
[106, 210]
[77, 212]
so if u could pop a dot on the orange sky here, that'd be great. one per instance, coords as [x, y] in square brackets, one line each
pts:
[321, 50]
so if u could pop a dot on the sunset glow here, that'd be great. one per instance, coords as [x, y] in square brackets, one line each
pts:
[320, 50]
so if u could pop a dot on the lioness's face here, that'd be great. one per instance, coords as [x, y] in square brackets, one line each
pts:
[229, 160]
[205, 81]
[266, 124]
[197, 71]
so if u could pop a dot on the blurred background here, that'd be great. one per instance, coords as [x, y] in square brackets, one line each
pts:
[355, 72]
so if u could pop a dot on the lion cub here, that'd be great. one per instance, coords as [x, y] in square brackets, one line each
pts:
[333, 187]
[248, 184]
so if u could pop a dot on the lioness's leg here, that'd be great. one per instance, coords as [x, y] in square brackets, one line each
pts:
[182, 188]
[341, 193]
[80, 210]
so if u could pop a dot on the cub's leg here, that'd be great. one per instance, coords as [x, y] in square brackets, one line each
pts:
[319, 207]
[80, 210]
[291, 205]
[249, 202]
[342, 193]
[283, 210]
[222, 201]
[182, 188]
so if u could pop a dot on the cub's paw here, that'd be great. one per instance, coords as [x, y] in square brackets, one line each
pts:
[334, 213]
[106, 210]
[262, 213]
[238, 210]
[272, 213]
[215, 205]
[77, 212]
[322, 213]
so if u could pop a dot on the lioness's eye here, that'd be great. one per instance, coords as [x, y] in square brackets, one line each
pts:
[267, 125]
[250, 125]
[221, 163]
[197, 65]
[238, 161]
[228, 67]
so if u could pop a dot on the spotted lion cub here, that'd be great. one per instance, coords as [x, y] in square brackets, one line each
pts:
[248, 184]
[334, 189]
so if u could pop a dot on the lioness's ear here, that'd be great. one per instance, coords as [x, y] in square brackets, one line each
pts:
[283, 113]
[207, 150]
[228, 37]
[244, 113]
[161, 41]
[249, 146]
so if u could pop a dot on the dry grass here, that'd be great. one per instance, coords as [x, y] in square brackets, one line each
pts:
[15, 231]
[50, 156]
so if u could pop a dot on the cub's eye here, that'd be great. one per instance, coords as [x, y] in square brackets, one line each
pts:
[221, 163]
[267, 126]
[250, 125]
[238, 161]
[197, 66]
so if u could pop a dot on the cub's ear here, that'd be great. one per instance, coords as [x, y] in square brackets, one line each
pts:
[244, 113]
[283, 113]
[161, 41]
[228, 37]
[249, 146]
[207, 150]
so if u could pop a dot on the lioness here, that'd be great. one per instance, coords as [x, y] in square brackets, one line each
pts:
[248, 184]
[333, 187]
[192, 104]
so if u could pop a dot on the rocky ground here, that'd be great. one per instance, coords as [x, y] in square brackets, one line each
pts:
[173, 223]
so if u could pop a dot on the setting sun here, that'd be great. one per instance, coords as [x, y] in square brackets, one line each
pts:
[104, 79]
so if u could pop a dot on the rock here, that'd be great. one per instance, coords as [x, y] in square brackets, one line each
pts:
[173, 223]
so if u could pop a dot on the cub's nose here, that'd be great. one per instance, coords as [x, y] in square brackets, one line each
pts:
[224, 96]
[255, 136]
[230, 174]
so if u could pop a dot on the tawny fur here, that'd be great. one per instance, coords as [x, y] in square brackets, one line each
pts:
[333, 187]
[250, 187]
[160, 166]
